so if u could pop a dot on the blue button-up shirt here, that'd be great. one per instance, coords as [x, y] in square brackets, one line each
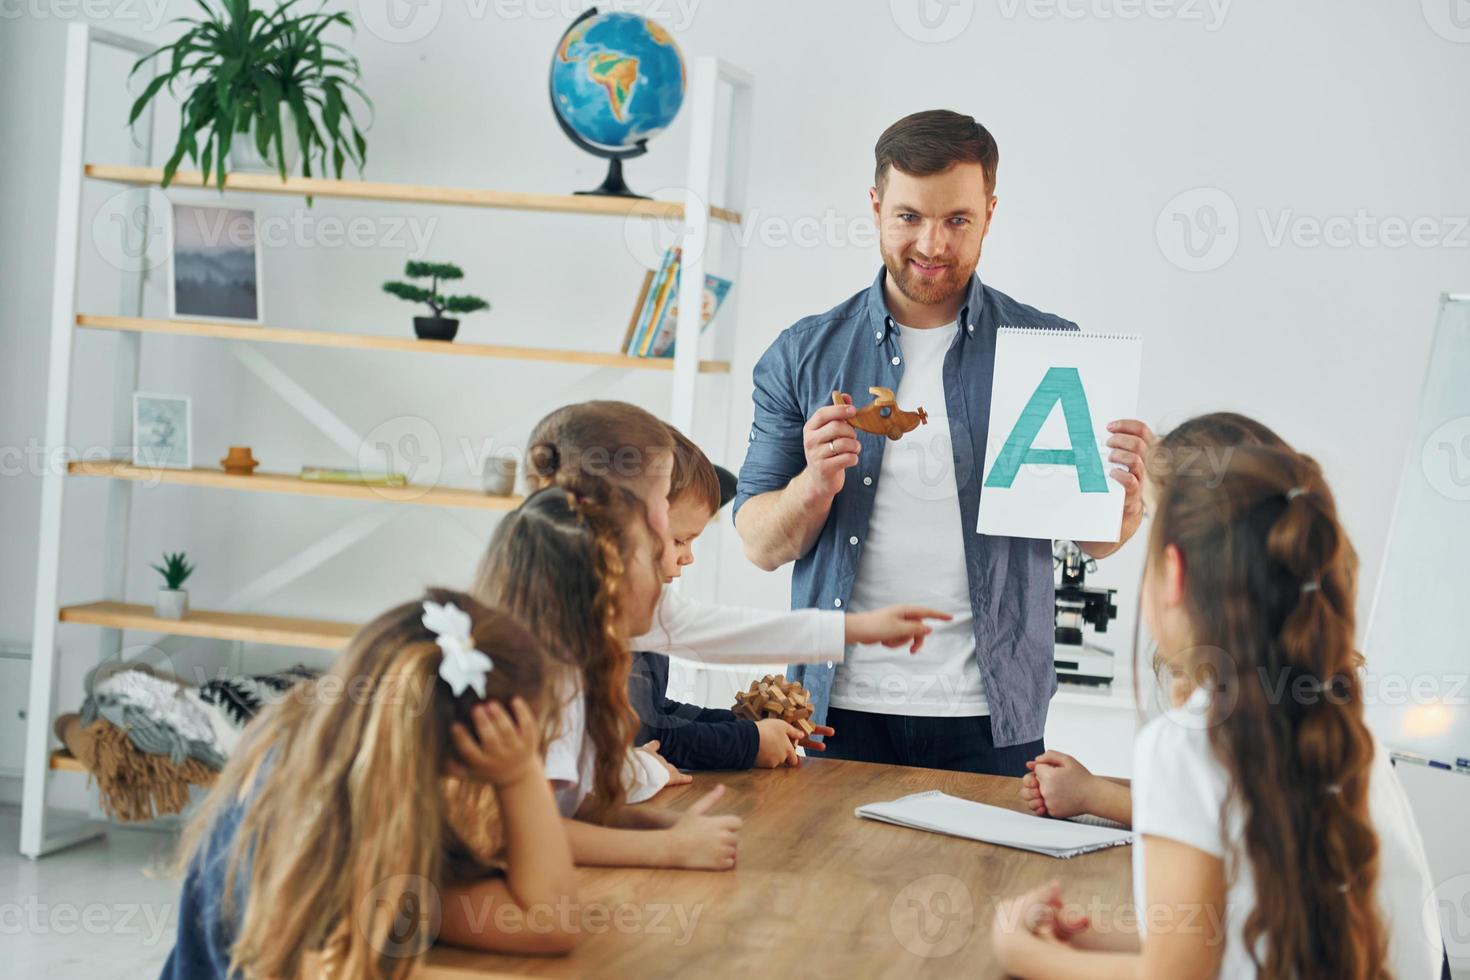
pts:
[853, 347]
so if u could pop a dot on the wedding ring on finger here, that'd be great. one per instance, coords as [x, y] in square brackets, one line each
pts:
[831, 449]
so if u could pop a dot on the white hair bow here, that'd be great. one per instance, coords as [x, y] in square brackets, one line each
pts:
[462, 665]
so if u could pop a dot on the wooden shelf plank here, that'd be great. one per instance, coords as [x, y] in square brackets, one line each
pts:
[115, 469]
[410, 193]
[331, 338]
[63, 760]
[318, 634]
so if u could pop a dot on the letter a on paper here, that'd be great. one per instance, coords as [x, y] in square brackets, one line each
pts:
[1061, 384]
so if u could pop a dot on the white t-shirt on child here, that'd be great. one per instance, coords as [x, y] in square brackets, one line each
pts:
[1179, 790]
[571, 761]
[713, 633]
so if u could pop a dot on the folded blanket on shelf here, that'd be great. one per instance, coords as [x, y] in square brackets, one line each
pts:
[132, 785]
[146, 735]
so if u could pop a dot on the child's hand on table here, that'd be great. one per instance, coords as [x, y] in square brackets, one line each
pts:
[893, 626]
[501, 750]
[777, 744]
[1024, 923]
[698, 840]
[676, 778]
[1058, 786]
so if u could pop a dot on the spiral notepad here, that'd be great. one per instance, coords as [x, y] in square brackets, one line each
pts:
[1046, 457]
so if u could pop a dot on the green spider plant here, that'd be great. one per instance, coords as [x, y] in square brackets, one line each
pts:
[243, 68]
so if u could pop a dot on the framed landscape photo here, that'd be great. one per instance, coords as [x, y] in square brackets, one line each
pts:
[162, 431]
[215, 267]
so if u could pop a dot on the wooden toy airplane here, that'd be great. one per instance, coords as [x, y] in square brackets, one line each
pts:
[883, 417]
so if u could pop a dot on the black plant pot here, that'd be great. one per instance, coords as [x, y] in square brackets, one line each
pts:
[435, 327]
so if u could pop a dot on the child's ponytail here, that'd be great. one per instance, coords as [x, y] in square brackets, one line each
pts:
[1327, 738]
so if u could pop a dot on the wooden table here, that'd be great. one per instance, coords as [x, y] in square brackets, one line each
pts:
[817, 892]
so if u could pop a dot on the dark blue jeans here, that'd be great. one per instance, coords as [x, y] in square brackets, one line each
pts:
[959, 744]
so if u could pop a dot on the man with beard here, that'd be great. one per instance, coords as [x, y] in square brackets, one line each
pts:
[869, 523]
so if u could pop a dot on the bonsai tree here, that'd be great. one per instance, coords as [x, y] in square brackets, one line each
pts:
[175, 570]
[244, 70]
[434, 271]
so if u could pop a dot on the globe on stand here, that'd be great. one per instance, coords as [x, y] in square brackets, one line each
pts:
[617, 80]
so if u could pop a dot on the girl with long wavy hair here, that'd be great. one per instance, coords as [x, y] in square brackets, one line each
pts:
[338, 842]
[1273, 838]
[578, 563]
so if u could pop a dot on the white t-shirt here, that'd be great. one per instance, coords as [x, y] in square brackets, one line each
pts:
[711, 633]
[571, 761]
[1179, 789]
[915, 552]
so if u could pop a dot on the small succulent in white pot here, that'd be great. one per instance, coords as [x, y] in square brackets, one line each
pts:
[173, 600]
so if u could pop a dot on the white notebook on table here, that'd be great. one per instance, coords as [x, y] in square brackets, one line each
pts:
[940, 813]
[1046, 452]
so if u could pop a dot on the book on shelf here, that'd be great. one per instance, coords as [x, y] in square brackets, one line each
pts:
[325, 474]
[637, 310]
[663, 293]
[653, 332]
[646, 302]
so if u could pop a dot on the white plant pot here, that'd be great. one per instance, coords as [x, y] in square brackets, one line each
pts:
[245, 159]
[171, 604]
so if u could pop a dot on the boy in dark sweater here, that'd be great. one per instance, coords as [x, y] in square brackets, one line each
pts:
[691, 737]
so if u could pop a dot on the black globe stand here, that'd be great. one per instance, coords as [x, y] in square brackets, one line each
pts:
[612, 184]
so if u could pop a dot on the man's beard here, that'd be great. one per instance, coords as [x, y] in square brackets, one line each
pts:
[925, 291]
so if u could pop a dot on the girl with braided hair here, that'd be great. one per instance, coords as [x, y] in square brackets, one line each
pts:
[1273, 837]
[578, 564]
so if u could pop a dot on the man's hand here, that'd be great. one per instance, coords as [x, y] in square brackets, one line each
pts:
[832, 448]
[782, 525]
[893, 626]
[1130, 442]
[777, 744]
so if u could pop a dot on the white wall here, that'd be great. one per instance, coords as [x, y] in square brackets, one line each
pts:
[1105, 112]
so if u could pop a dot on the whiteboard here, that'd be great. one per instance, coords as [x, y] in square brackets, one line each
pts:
[1418, 640]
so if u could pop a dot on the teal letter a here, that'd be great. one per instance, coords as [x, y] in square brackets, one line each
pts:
[1060, 385]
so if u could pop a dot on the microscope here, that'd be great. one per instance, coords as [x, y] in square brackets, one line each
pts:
[1078, 606]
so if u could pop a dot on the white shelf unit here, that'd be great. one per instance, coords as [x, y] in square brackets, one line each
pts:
[43, 832]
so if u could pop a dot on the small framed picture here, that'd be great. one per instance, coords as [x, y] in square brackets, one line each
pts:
[163, 427]
[216, 269]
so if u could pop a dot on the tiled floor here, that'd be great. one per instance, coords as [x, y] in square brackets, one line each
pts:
[93, 912]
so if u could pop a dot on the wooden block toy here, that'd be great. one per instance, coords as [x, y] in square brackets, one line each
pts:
[883, 417]
[773, 696]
